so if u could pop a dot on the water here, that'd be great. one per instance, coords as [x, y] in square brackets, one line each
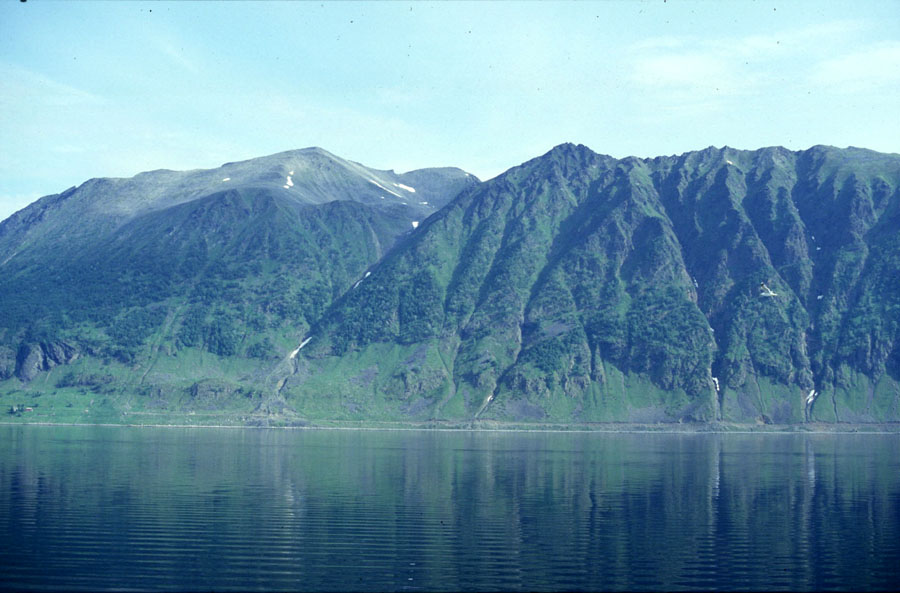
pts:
[221, 509]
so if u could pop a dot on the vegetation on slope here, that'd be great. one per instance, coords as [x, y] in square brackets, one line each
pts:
[233, 273]
[573, 288]
[581, 288]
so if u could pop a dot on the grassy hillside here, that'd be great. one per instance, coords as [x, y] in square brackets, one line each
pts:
[575, 288]
[580, 288]
[155, 289]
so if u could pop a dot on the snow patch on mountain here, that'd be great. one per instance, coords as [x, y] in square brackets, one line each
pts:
[384, 188]
[302, 344]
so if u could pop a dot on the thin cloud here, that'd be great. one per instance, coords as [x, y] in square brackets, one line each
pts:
[176, 54]
[21, 86]
[684, 76]
[684, 70]
[873, 67]
[803, 40]
[729, 64]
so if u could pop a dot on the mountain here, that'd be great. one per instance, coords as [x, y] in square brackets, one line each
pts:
[310, 176]
[719, 285]
[153, 283]
[716, 286]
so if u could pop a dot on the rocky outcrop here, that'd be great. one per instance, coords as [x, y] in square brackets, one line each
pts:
[7, 362]
[34, 358]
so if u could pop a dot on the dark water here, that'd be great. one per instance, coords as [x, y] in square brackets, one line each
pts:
[219, 509]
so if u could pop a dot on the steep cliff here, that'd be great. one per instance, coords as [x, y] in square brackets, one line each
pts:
[577, 287]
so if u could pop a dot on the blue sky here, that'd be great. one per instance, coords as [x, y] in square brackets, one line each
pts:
[116, 88]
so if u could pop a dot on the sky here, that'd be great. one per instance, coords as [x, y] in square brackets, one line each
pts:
[111, 89]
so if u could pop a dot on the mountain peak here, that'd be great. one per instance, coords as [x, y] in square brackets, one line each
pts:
[286, 155]
[570, 149]
[306, 176]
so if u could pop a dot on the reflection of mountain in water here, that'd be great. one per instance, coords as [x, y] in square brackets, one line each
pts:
[332, 509]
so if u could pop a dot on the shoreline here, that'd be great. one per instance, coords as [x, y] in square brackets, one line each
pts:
[600, 428]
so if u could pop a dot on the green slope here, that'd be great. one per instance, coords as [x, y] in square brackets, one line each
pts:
[580, 288]
[575, 288]
[181, 292]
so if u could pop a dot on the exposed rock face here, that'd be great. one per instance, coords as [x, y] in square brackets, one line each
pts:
[34, 358]
[7, 362]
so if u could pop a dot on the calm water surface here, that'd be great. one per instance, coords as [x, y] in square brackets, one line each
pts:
[222, 509]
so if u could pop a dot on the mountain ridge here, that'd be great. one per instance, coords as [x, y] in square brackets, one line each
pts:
[635, 183]
[575, 287]
[265, 243]
[321, 176]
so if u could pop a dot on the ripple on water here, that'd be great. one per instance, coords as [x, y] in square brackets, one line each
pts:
[256, 510]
